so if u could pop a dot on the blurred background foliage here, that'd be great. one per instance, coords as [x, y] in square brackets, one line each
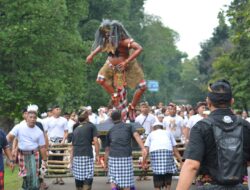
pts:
[44, 45]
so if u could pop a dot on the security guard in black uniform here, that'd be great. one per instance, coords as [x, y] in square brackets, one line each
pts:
[202, 152]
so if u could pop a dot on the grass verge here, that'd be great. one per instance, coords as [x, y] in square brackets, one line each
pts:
[11, 180]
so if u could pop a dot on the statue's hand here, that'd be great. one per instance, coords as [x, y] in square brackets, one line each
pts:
[121, 66]
[89, 59]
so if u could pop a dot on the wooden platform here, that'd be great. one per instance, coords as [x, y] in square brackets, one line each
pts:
[58, 168]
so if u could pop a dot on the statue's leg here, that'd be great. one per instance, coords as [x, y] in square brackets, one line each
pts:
[137, 96]
[108, 88]
[138, 93]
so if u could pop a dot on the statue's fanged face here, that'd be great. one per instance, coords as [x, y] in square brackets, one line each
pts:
[105, 30]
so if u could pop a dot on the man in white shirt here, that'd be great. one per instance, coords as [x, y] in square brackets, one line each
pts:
[102, 116]
[161, 145]
[174, 122]
[57, 126]
[93, 118]
[245, 115]
[31, 108]
[57, 130]
[159, 117]
[200, 108]
[30, 140]
[146, 119]
[71, 122]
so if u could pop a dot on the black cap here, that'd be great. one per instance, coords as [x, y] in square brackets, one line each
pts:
[220, 86]
[116, 115]
[220, 92]
[83, 114]
[82, 111]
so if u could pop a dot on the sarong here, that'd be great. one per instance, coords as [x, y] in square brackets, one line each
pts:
[121, 171]
[29, 170]
[83, 167]
[162, 162]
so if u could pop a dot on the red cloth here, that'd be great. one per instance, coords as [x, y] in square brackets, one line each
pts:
[22, 168]
[1, 180]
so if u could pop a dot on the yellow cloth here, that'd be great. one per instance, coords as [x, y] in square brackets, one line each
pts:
[133, 72]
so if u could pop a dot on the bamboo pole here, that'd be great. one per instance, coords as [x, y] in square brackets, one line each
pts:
[57, 162]
[58, 154]
[58, 170]
[58, 148]
[57, 166]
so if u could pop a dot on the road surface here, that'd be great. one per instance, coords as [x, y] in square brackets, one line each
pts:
[100, 184]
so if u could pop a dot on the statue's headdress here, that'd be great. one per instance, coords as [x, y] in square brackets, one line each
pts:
[115, 31]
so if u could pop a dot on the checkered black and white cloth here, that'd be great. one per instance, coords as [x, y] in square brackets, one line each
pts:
[162, 162]
[121, 171]
[83, 167]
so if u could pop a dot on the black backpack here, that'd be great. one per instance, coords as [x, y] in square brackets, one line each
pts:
[229, 146]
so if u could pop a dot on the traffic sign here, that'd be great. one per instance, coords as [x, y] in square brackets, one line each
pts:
[153, 85]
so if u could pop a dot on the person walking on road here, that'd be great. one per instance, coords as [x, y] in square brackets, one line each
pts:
[161, 145]
[82, 160]
[118, 153]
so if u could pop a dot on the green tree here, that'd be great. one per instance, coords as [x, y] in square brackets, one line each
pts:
[40, 49]
[191, 88]
[161, 60]
[233, 55]
[213, 48]
[234, 65]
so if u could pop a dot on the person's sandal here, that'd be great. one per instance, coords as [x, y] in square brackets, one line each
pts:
[45, 186]
[55, 182]
[61, 182]
[146, 178]
[139, 178]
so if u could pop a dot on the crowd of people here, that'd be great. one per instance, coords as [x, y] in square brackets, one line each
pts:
[164, 125]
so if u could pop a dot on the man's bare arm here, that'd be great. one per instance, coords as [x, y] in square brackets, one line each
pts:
[46, 138]
[8, 153]
[188, 173]
[139, 141]
[65, 136]
[97, 148]
[107, 150]
[43, 151]
[9, 156]
[10, 137]
[177, 154]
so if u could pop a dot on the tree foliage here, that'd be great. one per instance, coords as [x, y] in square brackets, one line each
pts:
[40, 54]
[44, 45]
[191, 89]
[161, 60]
[231, 58]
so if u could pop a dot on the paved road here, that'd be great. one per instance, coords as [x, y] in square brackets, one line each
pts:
[100, 184]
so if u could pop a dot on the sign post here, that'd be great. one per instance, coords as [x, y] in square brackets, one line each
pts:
[153, 85]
